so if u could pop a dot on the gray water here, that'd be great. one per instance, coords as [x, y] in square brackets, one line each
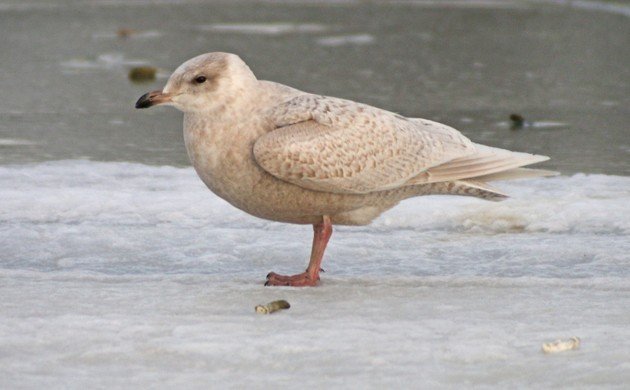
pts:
[66, 95]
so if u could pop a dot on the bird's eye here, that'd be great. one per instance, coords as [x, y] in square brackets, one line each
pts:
[200, 79]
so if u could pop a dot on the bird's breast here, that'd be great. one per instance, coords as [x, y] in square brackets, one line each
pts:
[222, 156]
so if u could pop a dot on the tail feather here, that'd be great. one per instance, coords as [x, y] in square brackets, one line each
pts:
[469, 175]
[516, 173]
[467, 188]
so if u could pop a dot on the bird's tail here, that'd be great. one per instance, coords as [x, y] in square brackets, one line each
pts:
[469, 175]
[466, 188]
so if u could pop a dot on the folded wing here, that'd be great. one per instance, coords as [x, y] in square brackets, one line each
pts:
[335, 145]
[485, 164]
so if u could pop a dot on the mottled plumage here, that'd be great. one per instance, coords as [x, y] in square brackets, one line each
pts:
[286, 155]
[335, 145]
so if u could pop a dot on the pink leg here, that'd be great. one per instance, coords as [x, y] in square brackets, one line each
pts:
[322, 232]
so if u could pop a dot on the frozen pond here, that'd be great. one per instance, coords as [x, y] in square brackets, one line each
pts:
[126, 275]
[119, 269]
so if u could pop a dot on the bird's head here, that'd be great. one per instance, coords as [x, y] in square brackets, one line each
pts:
[205, 83]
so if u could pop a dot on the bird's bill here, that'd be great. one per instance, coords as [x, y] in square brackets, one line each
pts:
[152, 99]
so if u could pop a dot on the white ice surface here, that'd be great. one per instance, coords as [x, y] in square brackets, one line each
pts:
[102, 62]
[343, 40]
[120, 275]
[264, 28]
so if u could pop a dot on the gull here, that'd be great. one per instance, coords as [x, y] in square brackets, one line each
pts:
[285, 155]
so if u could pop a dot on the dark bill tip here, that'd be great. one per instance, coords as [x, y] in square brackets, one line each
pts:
[145, 101]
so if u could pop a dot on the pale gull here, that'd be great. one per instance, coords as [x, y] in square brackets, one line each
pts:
[285, 155]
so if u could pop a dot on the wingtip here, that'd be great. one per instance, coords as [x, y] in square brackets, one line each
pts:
[540, 158]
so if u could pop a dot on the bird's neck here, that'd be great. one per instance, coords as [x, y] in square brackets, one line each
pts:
[235, 124]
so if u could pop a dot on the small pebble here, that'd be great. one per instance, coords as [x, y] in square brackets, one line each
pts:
[272, 307]
[125, 32]
[517, 121]
[561, 345]
[141, 74]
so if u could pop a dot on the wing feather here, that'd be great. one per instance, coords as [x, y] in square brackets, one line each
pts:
[484, 162]
[336, 145]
